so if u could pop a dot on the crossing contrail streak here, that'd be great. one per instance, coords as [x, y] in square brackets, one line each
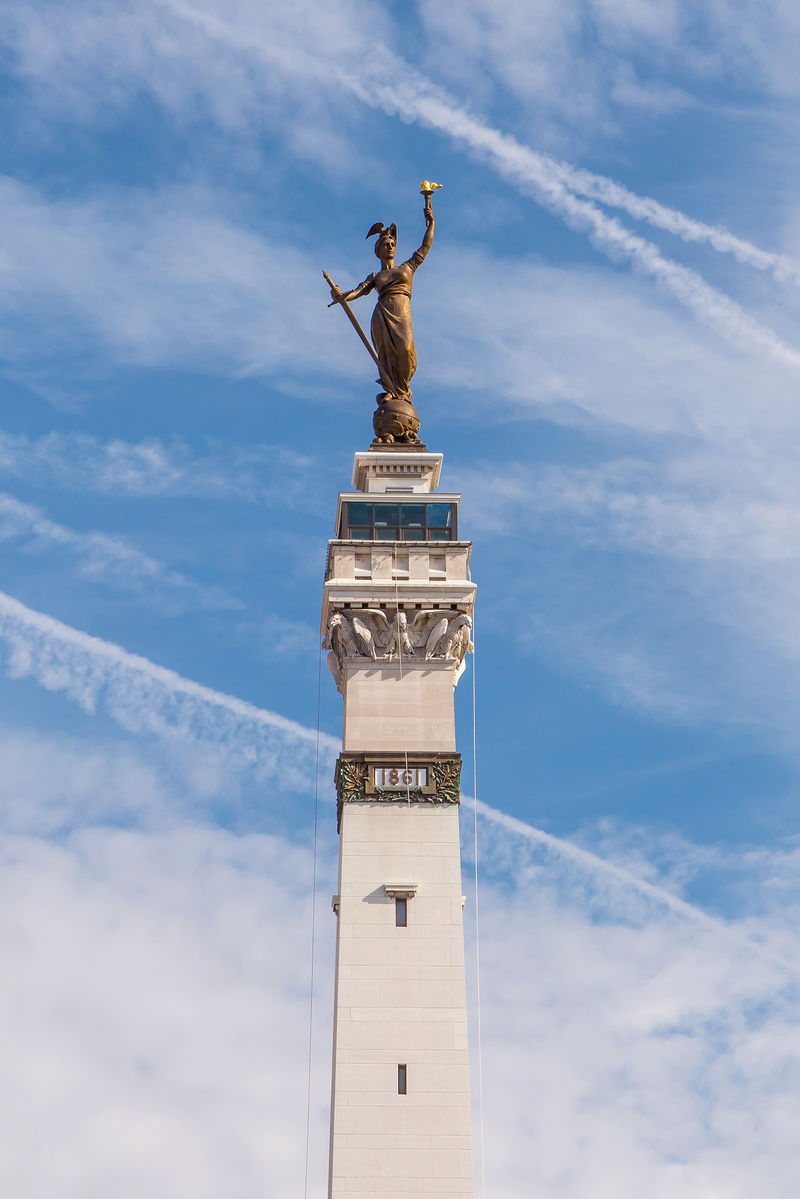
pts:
[592, 864]
[582, 182]
[142, 696]
[416, 100]
[417, 96]
[383, 81]
[671, 220]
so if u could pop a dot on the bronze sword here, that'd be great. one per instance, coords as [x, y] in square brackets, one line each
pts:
[343, 304]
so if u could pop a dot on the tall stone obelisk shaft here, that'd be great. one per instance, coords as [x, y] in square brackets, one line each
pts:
[396, 612]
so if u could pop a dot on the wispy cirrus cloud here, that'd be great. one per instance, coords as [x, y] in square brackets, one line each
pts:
[269, 474]
[152, 280]
[616, 886]
[101, 557]
[692, 612]
[582, 71]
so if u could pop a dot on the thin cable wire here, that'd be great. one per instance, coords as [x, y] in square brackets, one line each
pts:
[313, 927]
[477, 919]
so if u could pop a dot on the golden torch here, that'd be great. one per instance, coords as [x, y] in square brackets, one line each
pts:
[426, 189]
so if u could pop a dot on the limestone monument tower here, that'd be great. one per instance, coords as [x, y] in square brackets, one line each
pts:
[397, 618]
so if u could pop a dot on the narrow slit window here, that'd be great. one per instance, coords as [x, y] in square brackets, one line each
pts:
[402, 1080]
[401, 913]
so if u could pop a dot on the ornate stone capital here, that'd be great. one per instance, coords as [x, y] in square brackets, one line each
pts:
[386, 634]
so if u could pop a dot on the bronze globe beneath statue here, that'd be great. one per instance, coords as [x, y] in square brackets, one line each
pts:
[395, 420]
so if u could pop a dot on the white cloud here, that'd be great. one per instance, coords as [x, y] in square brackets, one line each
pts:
[171, 279]
[54, 783]
[385, 81]
[625, 1058]
[154, 1013]
[569, 344]
[628, 1049]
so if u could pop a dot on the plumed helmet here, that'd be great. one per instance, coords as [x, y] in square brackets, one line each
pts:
[388, 231]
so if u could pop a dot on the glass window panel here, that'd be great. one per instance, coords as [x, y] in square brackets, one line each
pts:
[389, 533]
[413, 534]
[387, 514]
[360, 534]
[412, 516]
[440, 516]
[359, 514]
[438, 534]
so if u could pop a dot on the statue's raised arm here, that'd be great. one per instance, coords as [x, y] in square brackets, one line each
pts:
[392, 334]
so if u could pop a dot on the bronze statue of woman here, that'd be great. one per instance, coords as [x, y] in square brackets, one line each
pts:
[392, 334]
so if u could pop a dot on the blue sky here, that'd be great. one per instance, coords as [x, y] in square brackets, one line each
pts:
[608, 354]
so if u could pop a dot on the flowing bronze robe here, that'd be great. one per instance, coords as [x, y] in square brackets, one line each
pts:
[391, 329]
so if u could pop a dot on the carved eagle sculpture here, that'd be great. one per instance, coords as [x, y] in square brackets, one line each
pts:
[400, 642]
[340, 638]
[371, 630]
[458, 643]
[429, 627]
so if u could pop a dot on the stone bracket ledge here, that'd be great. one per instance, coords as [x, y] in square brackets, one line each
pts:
[397, 777]
[400, 890]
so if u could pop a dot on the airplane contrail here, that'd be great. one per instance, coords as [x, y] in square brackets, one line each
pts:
[593, 864]
[145, 697]
[531, 174]
[142, 696]
[384, 81]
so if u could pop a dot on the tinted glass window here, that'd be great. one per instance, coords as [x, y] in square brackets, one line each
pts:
[381, 521]
[412, 516]
[440, 516]
[359, 514]
[387, 514]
